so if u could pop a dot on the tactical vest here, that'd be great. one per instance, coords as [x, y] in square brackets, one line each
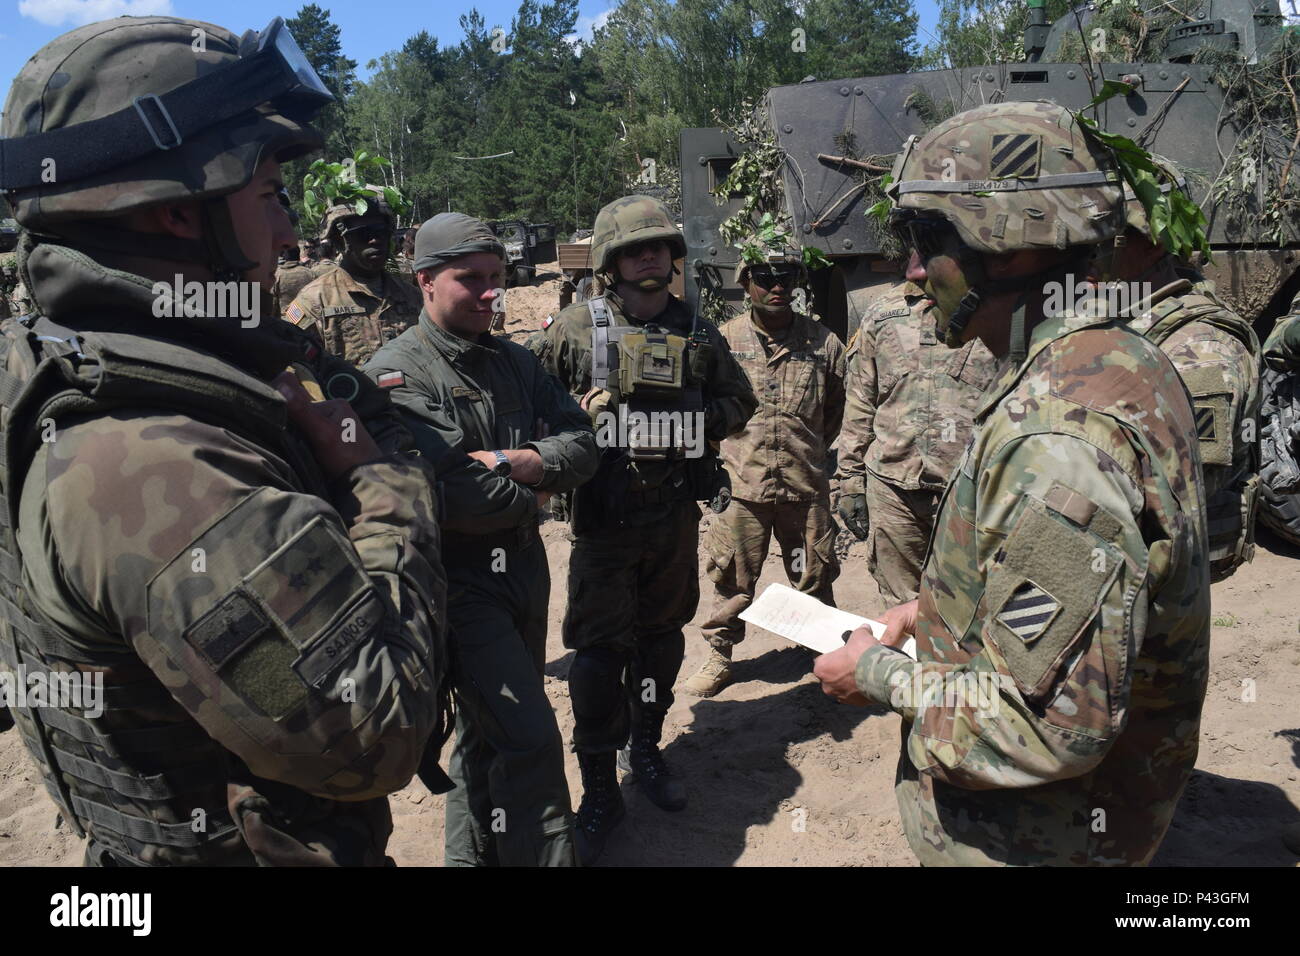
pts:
[655, 378]
[1231, 511]
[142, 779]
[645, 369]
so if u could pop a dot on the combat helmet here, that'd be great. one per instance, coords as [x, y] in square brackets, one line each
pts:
[630, 220]
[780, 255]
[1000, 178]
[376, 205]
[133, 112]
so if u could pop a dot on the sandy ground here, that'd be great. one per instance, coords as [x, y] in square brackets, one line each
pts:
[779, 774]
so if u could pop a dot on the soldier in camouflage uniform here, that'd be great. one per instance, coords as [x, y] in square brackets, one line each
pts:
[907, 417]
[263, 598]
[503, 437]
[292, 276]
[778, 465]
[1218, 356]
[358, 306]
[1062, 628]
[633, 575]
[1282, 349]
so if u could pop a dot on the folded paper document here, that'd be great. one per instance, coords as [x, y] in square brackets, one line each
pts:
[807, 621]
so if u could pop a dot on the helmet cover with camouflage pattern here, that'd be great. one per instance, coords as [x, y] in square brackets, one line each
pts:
[101, 68]
[772, 256]
[1012, 176]
[630, 220]
[376, 205]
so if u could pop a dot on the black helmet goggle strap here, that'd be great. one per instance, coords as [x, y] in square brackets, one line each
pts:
[271, 69]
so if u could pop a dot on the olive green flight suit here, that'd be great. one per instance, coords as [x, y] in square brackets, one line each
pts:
[511, 802]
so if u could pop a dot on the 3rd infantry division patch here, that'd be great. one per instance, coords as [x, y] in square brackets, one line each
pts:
[1015, 156]
[1028, 612]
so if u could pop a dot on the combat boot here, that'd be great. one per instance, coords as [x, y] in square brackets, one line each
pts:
[601, 808]
[642, 759]
[713, 675]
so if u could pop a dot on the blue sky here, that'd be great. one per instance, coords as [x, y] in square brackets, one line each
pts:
[369, 28]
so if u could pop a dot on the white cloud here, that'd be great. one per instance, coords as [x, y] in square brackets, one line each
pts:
[57, 13]
[587, 26]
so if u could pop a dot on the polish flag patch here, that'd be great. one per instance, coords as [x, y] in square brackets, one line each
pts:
[391, 380]
[546, 322]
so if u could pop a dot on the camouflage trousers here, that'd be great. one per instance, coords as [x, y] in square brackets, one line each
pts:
[901, 522]
[631, 592]
[736, 547]
[511, 802]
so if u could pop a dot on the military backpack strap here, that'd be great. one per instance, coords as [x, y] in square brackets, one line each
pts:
[604, 354]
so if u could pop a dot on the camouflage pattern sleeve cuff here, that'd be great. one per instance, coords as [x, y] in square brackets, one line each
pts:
[880, 670]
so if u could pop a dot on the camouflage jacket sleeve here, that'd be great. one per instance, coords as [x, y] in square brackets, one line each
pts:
[836, 387]
[569, 454]
[730, 397]
[307, 311]
[859, 411]
[564, 349]
[305, 636]
[1222, 376]
[1282, 349]
[1031, 708]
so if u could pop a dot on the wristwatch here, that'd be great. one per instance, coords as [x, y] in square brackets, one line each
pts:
[502, 466]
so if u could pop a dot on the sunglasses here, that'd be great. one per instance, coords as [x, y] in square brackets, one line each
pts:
[770, 278]
[636, 248]
[365, 234]
[929, 237]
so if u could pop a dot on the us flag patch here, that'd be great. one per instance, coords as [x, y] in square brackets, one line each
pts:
[294, 313]
[1205, 423]
[1028, 612]
[391, 380]
[1015, 156]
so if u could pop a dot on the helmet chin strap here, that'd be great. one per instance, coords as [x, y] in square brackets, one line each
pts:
[653, 283]
[224, 255]
[983, 287]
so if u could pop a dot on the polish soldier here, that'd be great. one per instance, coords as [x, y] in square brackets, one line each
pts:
[254, 576]
[503, 436]
[633, 353]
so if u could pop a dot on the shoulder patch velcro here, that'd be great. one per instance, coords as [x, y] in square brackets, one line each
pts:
[391, 380]
[1045, 589]
[230, 626]
[1212, 404]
